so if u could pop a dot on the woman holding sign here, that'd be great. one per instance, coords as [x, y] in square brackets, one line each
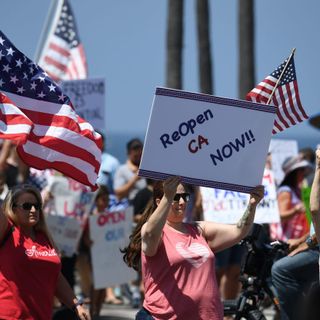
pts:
[30, 267]
[177, 262]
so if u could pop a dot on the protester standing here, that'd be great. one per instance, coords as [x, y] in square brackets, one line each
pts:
[127, 183]
[177, 262]
[291, 208]
[30, 273]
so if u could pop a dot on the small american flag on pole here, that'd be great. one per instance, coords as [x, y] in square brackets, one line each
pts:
[63, 55]
[281, 87]
[36, 114]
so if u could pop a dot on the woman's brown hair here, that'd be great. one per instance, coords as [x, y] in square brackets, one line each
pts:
[132, 253]
[11, 200]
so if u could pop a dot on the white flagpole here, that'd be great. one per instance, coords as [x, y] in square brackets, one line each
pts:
[281, 75]
[50, 23]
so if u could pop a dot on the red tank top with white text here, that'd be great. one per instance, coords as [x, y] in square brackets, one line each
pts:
[28, 276]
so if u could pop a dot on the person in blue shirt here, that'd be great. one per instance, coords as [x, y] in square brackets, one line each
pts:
[297, 272]
[109, 165]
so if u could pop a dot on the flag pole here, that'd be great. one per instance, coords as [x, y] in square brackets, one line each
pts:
[281, 75]
[55, 4]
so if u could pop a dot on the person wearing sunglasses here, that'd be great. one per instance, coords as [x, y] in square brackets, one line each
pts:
[30, 266]
[177, 258]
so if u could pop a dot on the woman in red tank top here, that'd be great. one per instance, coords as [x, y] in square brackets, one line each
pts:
[177, 262]
[30, 273]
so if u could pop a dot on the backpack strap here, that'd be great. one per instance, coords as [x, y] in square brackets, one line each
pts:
[6, 237]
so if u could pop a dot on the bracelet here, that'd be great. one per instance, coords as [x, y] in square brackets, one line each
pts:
[311, 242]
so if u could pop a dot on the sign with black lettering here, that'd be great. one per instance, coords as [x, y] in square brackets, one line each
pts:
[208, 141]
[88, 99]
[227, 206]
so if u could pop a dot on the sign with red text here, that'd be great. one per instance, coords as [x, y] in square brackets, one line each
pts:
[208, 141]
[69, 198]
[227, 206]
[109, 233]
[66, 233]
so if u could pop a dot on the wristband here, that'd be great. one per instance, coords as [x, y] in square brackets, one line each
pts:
[311, 242]
[78, 303]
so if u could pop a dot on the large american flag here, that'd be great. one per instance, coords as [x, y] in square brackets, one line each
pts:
[63, 55]
[286, 96]
[36, 113]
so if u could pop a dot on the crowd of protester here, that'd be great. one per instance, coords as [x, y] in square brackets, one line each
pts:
[165, 215]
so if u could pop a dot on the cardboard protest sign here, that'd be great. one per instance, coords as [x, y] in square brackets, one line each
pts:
[88, 99]
[66, 233]
[109, 233]
[70, 198]
[228, 206]
[281, 150]
[208, 141]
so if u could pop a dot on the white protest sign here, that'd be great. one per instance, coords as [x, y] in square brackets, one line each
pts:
[281, 150]
[109, 233]
[207, 140]
[228, 206]
[66, 233]
[70, 197]
[88, 99]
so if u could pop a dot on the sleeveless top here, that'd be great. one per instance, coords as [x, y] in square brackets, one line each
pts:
[28, 276]
[179, 280]
[297, 225]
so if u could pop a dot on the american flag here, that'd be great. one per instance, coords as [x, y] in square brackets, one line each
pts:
[286, 96]
[63, 55]
[36, 113]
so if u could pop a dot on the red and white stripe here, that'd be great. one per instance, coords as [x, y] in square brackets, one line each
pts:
[62, 62]
[58, 139]
[14, 124]
[287, 100]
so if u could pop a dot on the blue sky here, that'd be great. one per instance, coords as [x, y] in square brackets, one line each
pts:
[125, 43]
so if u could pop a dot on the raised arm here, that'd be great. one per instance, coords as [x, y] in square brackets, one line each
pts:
[221, 236]
[315, 197]
[151, 231]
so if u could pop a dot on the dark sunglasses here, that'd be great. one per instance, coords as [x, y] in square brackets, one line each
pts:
[28, 205]
[185, 196]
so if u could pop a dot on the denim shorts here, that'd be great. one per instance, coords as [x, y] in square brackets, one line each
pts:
[144, 314]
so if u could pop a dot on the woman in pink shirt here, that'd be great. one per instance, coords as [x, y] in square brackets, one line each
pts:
[30, 267]
[177, 262]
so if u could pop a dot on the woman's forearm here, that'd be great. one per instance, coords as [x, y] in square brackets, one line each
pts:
[157, 220]
[64, 292]
[246, 221]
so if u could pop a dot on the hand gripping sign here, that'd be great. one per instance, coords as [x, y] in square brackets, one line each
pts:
[208, 141]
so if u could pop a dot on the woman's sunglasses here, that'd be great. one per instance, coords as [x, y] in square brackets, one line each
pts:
[185, 196]
[28, 205]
